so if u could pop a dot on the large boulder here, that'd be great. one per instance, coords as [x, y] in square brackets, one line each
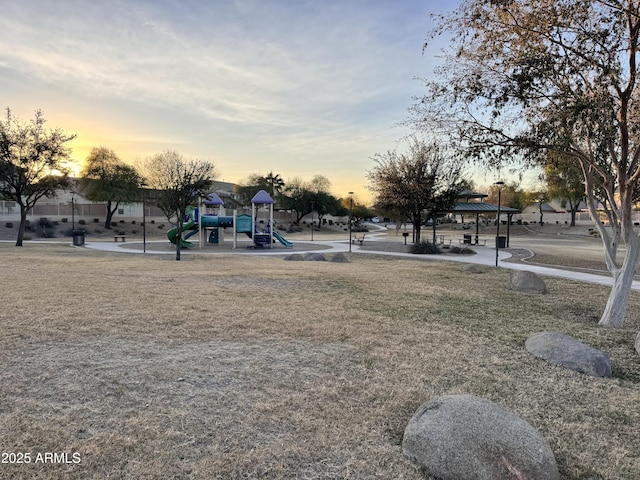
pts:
[460, 437]
[561, 349]
[339, 258]
[525, 281]
[314, 257]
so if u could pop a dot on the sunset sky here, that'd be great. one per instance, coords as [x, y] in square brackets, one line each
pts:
[297, 87]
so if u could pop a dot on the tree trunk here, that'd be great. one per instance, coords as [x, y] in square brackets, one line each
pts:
[23, 224]
[110, 212]
[614, 311]
[417, 219]
[179, 239]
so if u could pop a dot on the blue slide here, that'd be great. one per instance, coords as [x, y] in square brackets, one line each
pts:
[282, 240]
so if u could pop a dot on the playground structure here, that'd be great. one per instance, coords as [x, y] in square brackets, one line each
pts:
[260, 231]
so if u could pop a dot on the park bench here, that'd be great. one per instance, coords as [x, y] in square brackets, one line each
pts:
[116, 238]
[360, 240]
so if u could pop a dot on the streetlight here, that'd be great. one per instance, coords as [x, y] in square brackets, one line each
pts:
[350, 217]
[312, 203]
[144, 221]
[73, 210]
[499, 184]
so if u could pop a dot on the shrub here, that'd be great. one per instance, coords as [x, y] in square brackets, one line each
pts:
[424, 248]
[461, 250]
[121, 221]
[114, 224]
[82, 222]
[133, 222]
[64, 220]
[96, 220]
[9, 224]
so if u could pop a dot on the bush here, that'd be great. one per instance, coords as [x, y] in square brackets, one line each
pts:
[64, 220]
[424, 248]
[96, 220]
[82, 222]
[461, 250]
[9, 224]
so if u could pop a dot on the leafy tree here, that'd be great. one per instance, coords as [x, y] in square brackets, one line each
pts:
[246, 190]
[301, 197]
[565, 182]
[106, 178]
[418, 181]
[32, 160]
[511, 195]
[523, 79]
[177, 183]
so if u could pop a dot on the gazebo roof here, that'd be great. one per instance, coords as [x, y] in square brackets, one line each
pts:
[481, 207]
[469, 194]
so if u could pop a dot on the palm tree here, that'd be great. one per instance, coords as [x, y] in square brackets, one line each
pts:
[275, 183]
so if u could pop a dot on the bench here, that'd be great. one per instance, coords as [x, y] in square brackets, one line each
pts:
[360, 240]
[119, 237]
[472, 240]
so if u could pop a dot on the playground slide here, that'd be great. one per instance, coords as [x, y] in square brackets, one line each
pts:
[282, 240]
[172, 234]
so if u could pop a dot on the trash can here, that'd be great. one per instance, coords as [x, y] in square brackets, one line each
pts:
[78, 238]
[502, 242]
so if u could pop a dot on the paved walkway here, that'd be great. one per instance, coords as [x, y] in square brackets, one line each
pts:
[485, 255]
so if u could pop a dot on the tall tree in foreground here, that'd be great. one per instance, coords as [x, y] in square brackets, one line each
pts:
[527, 78]
[178, 183]
[32, 160]
[106, 178]
[418, 183]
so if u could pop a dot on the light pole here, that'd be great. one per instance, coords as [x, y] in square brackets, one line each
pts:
[499, 184]
[73, 210]
[144, 220]
[350, 217]
[312, 203]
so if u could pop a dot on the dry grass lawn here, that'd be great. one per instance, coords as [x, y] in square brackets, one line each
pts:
[249, 367]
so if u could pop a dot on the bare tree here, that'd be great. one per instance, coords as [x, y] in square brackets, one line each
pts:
[32, 163]
[178, 183]
[418, 183]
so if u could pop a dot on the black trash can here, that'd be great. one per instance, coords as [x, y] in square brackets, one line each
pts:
[502, 242]
[78, 238]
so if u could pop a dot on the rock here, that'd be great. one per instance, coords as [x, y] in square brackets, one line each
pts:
[339, 258]
[294, 257]
[566, 351]
[638, 344]
[314, 257]
[527, 282]
[460, 437]
[471, 268]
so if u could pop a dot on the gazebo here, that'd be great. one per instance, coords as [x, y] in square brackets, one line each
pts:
[466, 206]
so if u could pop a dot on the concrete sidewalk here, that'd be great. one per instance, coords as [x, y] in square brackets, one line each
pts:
[485, 255]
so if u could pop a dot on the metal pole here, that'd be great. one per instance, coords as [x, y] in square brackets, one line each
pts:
[73, 211]
[350, 217]
[499, 184]
[144, 223]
